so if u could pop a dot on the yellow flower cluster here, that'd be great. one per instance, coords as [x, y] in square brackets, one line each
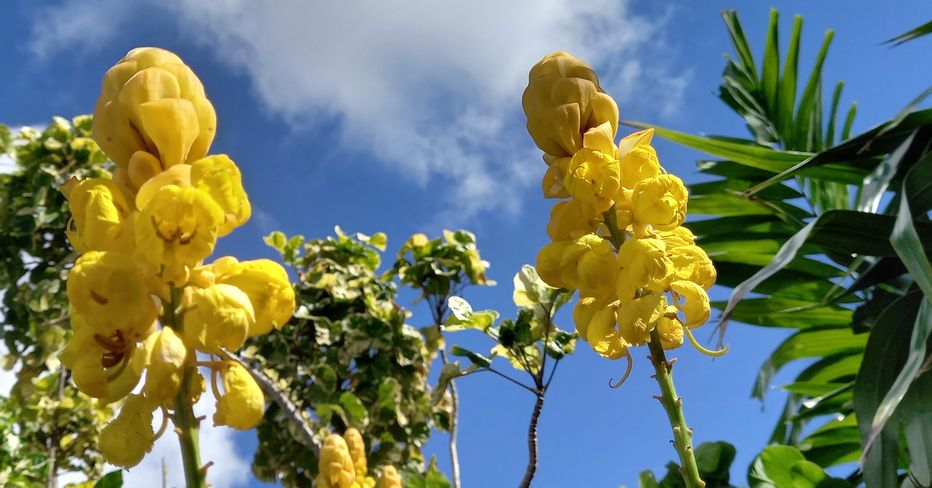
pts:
[617, 233]
[142, 300]
[342, 464]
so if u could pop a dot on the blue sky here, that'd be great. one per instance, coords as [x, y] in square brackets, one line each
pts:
[405, 117]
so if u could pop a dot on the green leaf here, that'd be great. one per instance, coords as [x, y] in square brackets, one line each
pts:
[771, 68]
[113, 479]
[919, 438]
[833, 114]
[808, 135]
[883, 361]
[771, 468]
[787, 89]
[905, 238]
[476, 358]
[740, 42]
[354, 408]
[463, 317]
[784, 312]
[276, 240]
[808, 343]
[876, 183]
[529, 288]
[916, 33]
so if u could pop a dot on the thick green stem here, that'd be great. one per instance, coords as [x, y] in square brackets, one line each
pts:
[682, 434]
[186, 425]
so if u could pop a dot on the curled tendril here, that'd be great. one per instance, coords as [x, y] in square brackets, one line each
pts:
[628, 369]
[708, 352]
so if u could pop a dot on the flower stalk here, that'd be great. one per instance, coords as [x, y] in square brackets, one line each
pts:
[673, 405]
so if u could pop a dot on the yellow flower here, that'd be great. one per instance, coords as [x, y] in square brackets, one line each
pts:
[101, 215]
[163, 356]
[336, 465]
[108, 290]
[217, 317]
[693, 264]
[357, 450]
[266, 284]
[670, 329]
[219, 177]
[633, 140]
[390, 478]
[242, 404]
[93, 367]
[660, 201]
[571, 219]
[583, 313]
[643, 264]
[696, 308]
[549, 261]
[178, 175]
[562, 101]
[150, 101]
[639, 316]
[126, 439]
[591, 266]
[603, 336]
[592, 178]
[639, 164]
[176, 230]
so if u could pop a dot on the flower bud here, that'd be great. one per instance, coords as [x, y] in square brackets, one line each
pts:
[242, 404]
[219, 177]
[163, 358]
[128, 437]
[101, 215]
[643, 264]
[218, 317]
[571, 219]
[660, 201]
[637, 318]
[266, 284]
[336, 465]
[390, 478]
[357, 450]
[693, 301]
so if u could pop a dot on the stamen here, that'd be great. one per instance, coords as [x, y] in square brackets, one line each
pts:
[99, 298]
[707, 352]
[164, 424]
[124, 360]
[628, 369]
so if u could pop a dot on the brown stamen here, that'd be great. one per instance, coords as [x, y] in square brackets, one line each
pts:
[99, 298]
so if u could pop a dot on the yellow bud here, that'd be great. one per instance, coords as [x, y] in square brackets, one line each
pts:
[266, 284]
[142, 167]
[218, 317]
[179, 175]
[335, 465]
[357, 450]
[127, 439]
[242, 404]
[390, 478]
[108, 290]
[562, 101]
[670, 330]
[571, 219]
[164, 357]
[583, 313]
[596, 268]
[219, 177]
[548, 263]
[604, 336]
[691, 263]
[102, 217]
[693, 301]
[660, 201]
[151, 102]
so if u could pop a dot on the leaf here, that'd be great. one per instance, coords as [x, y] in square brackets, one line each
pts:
[815, 342]
[771, 468]
[529, 288]
[905, 238]
[883, 361]
[787, 90]
[353, 406]
[771, 66]
[876, 183]
[476, 358]
[919, 438]
[463, 317]
[740, 42]
[113, 479]
[276, 240]
[916, 33]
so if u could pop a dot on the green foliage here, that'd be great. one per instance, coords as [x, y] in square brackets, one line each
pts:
[346, 359]
[50, 414]
[777, 466]
[835, 240]
[714, 461]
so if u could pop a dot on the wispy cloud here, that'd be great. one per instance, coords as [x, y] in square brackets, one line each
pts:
[432, 89]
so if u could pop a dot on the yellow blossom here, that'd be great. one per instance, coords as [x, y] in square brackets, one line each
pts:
[693, 301]
[592, 178]
[177, 229]
[266, 284]
[98, 371]
[390, 478]
[660, 201]
[219, 177]
[126, 439]
[150, 101]
[693, 264]
[639, 316]
[639, 164]
[108, 290]
[549, 261]
[178, 175]
[336, 468]
[571, 219]
[562, 101]
[603, 335]
[101, 215]
[583, 313]
[670, 330]
[643, 264]
[242, 404]
[590, 265]
[634, 139]
[217, 317]
[357, 450]
[552, 183]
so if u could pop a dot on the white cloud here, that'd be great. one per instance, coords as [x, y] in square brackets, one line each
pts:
[432, 89]
[75, 26]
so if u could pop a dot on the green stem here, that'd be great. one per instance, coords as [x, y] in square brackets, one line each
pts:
[186, 425]
[682, 434]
